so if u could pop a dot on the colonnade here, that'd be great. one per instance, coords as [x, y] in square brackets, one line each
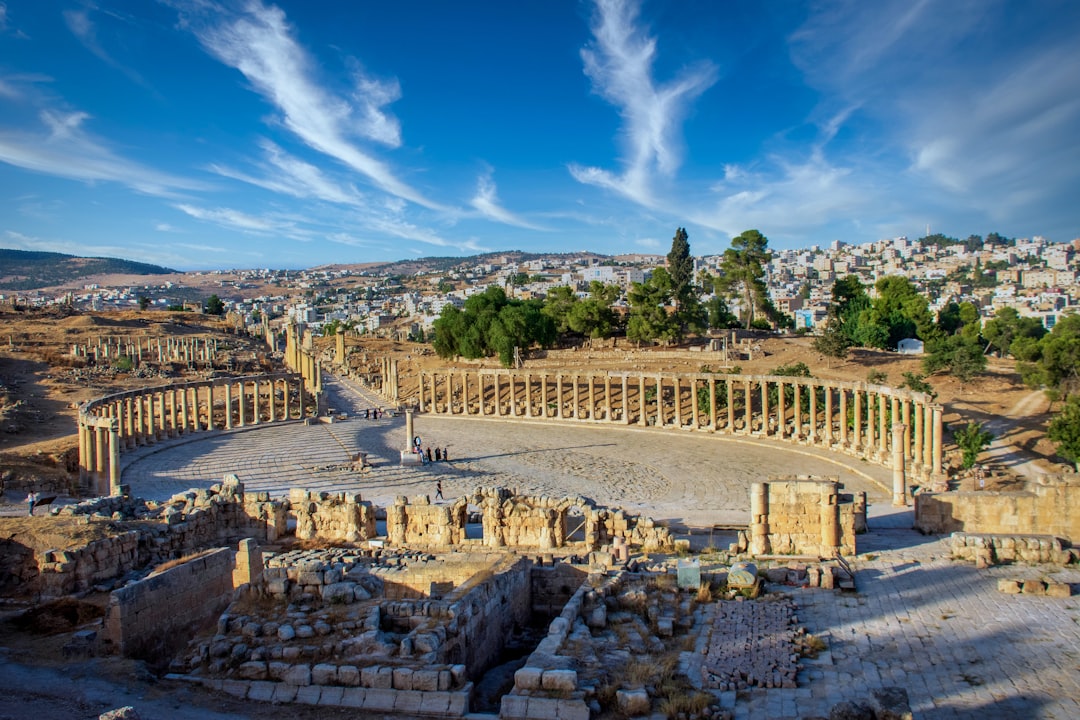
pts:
[123, 421]
[300, 356]
[878, 423]
[158, 350]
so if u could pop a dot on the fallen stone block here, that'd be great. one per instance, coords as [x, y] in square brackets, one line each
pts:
[1058, 590]
[562, 680]
[1010, 587]
[1034, 587]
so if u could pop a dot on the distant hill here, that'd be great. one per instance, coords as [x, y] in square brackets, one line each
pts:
[29, 270]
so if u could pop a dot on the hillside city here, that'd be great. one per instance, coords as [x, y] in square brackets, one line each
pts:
[1036, 277]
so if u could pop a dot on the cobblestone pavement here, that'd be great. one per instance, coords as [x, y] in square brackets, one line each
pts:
[939, 629]
[692, 478]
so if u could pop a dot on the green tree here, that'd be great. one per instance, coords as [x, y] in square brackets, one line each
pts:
[902, 310]
[680, 266]
[557, 306]
[1064, 429]
[833, 342]
[594, 316]
[718, 314]
[144, 302]
[490, 324]
[649, 319]
[214, 305]
[1057, 360]
[743, 273]
[959, 356]
[1007, 326]
[972, 440]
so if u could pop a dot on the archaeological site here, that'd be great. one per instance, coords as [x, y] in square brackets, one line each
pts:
[364, 530]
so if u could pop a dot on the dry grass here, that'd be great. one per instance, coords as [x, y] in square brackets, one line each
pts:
[682, 704]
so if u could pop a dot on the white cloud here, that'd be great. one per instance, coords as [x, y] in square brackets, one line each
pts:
[67, 150]
[84, 29]
[3, 17]
[619, 64]
[234, 219]
[284, 173]
[260, 44]
[487, 202]
[166, 227]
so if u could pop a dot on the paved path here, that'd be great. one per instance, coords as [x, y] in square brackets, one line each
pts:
[689, 478]
[942, 631]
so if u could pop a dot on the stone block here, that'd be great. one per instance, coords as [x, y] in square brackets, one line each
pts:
[252, 670]
[309, 695]
[559, 680]
[573, 710]
[297, 676]
[261, 691]
[384, 678]
[236, 688]
[458, 674]
[632, 702]
[402, 678]
[543, 708]
[1010, 587]
[353, 697]
[528, 678]
[1034, 587]
[284, 693]
[514, 707]
[1058, 590]
[435, 703]
[343, 592]
[349, 675]
[446, 680]
[425, 680]
[407, 702]
[379, 699]
[277, 670]
[324, 674]
[665, 627]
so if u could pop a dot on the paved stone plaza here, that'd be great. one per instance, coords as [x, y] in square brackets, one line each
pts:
[938, 628]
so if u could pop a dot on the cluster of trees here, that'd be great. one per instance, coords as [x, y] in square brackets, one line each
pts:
[666, 307]
[490, 323]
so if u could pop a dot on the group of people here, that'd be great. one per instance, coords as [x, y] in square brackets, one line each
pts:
[372, 413]
[440, 455]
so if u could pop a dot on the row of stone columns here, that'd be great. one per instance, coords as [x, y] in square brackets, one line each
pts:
[853, 417]
[112, 424]
[300, 356]
[155, 349]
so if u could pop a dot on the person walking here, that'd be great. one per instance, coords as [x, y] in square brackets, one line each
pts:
[445, 455]
[31, 501]
[429, 453]
[438, 490]
[438, 454]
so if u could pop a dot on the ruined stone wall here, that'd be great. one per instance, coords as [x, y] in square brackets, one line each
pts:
[416, 522]
[332, 516]
[792, 515]
[1050, 506]
[153, 618]
[487, 611]
[433, 579]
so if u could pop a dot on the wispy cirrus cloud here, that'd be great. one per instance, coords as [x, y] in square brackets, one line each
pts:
[84, 29]
[236, 219]
[287, 174]
[259, 42]
[62, 147]
[486, 201]
[619, 63]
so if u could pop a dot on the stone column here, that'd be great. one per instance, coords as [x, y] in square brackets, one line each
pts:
[764, 386]
[843, 417]
[420, 397]
[129, 419]
[114, 458]
[339, 347]
[625, 400]
[498, 395]
[243, 403]
[140, 420]
[661, 414]
[592, 397]
[101, 453]
[273, 391]
[797, 411]
[759, 518]
[749, 408]
[512, 382]
[90, 441]
[677, 386]
[828, 390]
[174, 428]
[907, 424]
[577, 399]
[812, 389]
[228, 405]
[871, 425]
[730, 387]
[781, 409]
[883, 440]
[255, 401]
[712, 404]
[899, 474]
[543, 395]
[559, 396]
[830, 520]
[210, 406]
[919, 412]
[937, 430]
[894, 413]
[695, 413]
[641, 420]
[856, 426]
[300, 398]
[83, 454]
[607, 396]
[528, 395]
[409, 431]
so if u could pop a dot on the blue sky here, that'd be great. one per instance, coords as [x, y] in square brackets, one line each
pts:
[203, 134]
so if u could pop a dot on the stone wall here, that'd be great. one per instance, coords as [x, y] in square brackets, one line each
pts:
[990, 549]
[153, 618]
[520, 521]
[332, 516]
[1049, 506]
[803, 515]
